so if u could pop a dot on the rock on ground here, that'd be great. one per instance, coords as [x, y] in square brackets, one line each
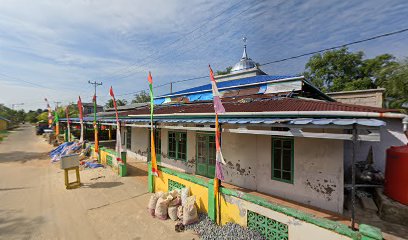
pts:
[207, 229]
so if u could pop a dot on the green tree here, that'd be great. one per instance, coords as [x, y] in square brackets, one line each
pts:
[119, 102]
[43, 117]
[31, 116]
[13, 115]
[341, 70]
[141, 97]
[394, 78]
[226, 71]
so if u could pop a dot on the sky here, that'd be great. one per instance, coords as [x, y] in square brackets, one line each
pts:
[52, 48]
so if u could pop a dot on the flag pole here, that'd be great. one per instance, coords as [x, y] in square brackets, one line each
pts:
[153, 172]
[219, 176]
[118, 137]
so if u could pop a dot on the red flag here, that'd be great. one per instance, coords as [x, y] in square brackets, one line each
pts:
[114, 101]
[111, 92]
[80, 108]
[150, 79]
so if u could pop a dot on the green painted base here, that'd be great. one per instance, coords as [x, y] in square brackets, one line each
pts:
[211, 201]
[122, 170]
[150, 177]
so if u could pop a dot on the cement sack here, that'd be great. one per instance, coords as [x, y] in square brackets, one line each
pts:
[162, 205]
[151, 206]
[172, 211]
[190, 211]
[175, 193]
[180, 212]
[185, 193]
[175, 202]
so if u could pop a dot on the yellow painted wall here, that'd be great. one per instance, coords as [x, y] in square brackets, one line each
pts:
[103, 157]
[230, 210]
[234, 209]
[3, 124]
[201, 193]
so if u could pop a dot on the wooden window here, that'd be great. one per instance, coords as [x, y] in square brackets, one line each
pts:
[178, 145]
[282, 159]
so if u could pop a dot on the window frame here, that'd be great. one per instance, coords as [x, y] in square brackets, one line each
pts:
[177, 143]
[128, 138]
[208, 150]
[292, 170]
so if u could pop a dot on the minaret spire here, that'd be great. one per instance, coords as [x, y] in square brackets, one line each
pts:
[244, 54]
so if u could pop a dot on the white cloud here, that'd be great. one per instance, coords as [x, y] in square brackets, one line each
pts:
[63, 44]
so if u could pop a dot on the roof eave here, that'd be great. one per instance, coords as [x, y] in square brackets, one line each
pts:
[340, 114]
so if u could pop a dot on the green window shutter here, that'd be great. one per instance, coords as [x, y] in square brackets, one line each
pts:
[172, 145]
[182, 146]
[205, 155]
[128, 137]
[283, 159]
[178, 145]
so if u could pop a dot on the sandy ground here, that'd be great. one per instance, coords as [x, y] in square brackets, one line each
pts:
[34, 203]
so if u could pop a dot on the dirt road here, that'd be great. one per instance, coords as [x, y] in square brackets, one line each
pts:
[34, 203]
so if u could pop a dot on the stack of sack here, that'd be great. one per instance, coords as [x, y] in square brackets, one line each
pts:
[176, 205]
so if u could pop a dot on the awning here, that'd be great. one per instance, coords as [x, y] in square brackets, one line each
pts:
[370, 122]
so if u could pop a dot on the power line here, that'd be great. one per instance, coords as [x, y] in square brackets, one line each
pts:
[21, 80]
[290, 58]
[134, 67]
[338, 46]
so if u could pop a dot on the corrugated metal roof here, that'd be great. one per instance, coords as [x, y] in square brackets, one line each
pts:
[262, 103]
[231, 83]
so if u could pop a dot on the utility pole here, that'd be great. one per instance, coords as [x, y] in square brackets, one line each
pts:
[171, 87]
[94, 123]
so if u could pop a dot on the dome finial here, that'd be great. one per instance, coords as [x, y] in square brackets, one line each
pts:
[244, 54]
[245, 62]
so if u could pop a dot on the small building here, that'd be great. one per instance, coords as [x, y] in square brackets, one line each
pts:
[4, 123]
[89, 108]
[368, 97]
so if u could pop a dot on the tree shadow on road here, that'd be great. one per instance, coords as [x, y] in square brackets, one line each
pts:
[22, 157]
[13, 226]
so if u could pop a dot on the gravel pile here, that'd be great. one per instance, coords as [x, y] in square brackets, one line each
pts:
[206, 229]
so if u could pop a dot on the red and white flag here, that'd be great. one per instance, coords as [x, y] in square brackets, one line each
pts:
[218, 107]
[118, 137]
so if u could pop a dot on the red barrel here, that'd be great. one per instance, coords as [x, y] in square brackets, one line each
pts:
[396, 174]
